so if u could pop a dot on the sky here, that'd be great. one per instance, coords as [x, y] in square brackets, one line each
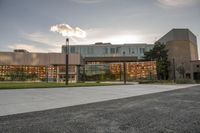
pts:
[26, 23]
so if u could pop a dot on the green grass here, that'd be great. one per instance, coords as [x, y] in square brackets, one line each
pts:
[155, 81]
[47, 85]
[178, 81]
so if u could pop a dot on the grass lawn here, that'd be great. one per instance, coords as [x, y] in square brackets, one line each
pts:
[47, 85]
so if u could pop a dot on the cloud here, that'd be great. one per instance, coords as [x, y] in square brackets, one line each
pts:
[116, 36]
[49, 42]
[177, 3]
[39, 42]
[66, 30]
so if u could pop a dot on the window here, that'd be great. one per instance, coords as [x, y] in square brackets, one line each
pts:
[71, 69]
[197, 66]
[64, 49]
[83, 50]
[117, 50]
[72, 50]
[106, 50]
[142, 50]
[90, 50]
[133, 51]
[112, 50]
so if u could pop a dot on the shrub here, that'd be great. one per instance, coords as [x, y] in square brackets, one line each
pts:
[98, 81]
[185, 81]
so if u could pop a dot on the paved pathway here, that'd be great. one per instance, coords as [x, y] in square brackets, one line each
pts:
[28, 100]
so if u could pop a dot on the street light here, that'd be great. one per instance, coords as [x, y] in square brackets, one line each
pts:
[174, 71]
[124, 65]
[67, 61]
[67, 30]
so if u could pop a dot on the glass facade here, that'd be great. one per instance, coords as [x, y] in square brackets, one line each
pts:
[109, 50]
[52, 73]
[115, 71]
[91, 72]
[7, 70]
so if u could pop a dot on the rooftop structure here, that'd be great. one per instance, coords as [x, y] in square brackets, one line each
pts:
[110, 50]
[27, 58]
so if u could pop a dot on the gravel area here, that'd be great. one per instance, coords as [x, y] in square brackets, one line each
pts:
[176, 111]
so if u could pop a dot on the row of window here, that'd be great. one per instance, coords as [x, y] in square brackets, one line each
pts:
[136, 68]
[41, 71]
[116, 50]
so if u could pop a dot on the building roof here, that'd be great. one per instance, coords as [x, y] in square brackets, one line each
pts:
[109, 45]
[27, 58]
[178, 35]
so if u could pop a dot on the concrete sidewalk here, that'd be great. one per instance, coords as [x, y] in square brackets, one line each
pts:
[28, 100]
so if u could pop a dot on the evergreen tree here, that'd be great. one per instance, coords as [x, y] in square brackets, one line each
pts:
[159, 54]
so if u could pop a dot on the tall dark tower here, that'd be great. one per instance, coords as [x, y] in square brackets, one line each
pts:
[182, 48]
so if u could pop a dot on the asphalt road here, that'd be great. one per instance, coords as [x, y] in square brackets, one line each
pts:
[176, 111]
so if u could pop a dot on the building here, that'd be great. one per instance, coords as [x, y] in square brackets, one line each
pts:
[182, 47]
[110, 50]
[104, 61]
[195, 69]
[115, 70]
[46, 66]
[51, 67]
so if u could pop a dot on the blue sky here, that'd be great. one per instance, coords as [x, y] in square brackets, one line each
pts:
[26, 23]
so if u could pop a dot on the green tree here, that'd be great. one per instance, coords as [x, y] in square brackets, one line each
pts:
[32, 76]
[159, 54]
[18, 75]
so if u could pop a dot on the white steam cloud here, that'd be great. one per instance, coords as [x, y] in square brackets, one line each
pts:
[66, 30]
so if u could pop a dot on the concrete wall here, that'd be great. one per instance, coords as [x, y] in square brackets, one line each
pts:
[180, 51]
[182, 46]
[179, 35]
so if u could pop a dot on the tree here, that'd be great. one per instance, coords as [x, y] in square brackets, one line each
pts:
[32, 76]
[18, 75]
[159, 54]
[181, 71]
[21, 75]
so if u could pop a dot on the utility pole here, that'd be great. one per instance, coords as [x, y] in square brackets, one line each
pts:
[174, 71]
[67, 61]
[124, 63]
[120, 68]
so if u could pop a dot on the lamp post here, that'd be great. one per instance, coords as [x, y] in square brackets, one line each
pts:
[124, 63]
[124, 66]
[174, 71]
[67, 61]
